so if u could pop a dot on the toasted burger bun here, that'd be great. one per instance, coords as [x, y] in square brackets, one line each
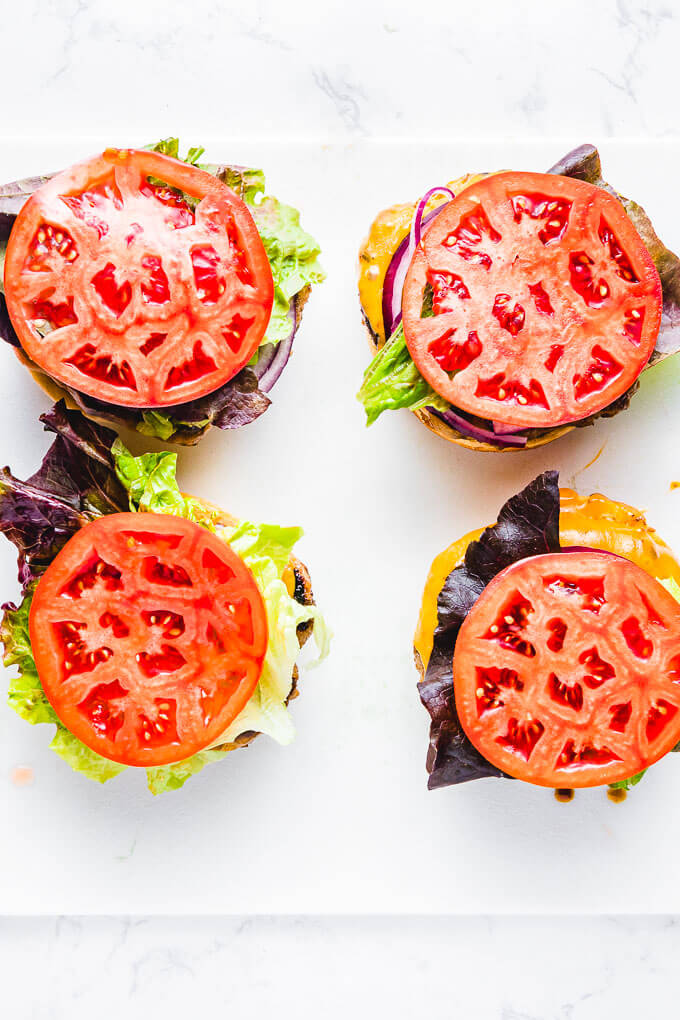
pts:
[384, 237]
[593, 521]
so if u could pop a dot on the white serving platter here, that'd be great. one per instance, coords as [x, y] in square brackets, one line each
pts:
[341, 821]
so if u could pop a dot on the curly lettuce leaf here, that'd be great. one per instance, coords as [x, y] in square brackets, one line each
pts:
[292, 252]
[392, 381]
[628, 784]
[152, 486]
[293, 256]
[27, 697]
[165, 778]
[263, 546]
[82, 759]
[25, 694]
[236, 403]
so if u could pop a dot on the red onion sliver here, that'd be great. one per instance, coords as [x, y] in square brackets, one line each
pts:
[503, 430]
[483, 435]
[273, 358]
[393, 286]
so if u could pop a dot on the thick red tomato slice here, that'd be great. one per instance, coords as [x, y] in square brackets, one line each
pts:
[567, 670]
[531, 300]
[138, 279]
[149, 635]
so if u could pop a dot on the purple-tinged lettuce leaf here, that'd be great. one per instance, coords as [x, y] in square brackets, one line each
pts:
[75, 483]
[584, 164]
[528, 525]
[238, 402]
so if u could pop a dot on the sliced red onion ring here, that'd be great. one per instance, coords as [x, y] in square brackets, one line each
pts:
[483, 435]
[503, 430]
[393, 286]
[272, 358]
[265, 356]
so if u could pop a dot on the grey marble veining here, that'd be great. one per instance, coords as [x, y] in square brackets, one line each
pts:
[343, 69]
[464, 968]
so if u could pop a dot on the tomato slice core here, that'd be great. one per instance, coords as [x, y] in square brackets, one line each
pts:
[567, 670]
[138, 279]
[531, 300]
[148, 634]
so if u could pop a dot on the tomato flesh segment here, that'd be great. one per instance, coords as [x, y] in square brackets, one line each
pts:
[137, 292]
[555, 284]
[566, 670]
[149, 635]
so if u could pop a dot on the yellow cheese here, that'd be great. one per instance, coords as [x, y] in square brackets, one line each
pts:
[593, 521]
[387, 232]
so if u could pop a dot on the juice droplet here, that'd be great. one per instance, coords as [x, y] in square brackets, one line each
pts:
[617, 796]
[22, 775]
[564, 796]
[675, 485]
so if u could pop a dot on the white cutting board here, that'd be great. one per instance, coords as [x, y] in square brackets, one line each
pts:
[342, 821]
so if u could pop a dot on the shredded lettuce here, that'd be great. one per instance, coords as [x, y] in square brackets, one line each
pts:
[392, 381]
[151, 485]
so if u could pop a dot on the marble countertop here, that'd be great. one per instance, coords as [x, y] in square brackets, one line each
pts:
[463, 968]
[340, 70]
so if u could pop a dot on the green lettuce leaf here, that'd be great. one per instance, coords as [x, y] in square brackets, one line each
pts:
[293, 255]
[165, 778]
[392, 381]
[25, 694]
[262, 546]
[82, 759]
[152, 486]
[28, 699]
[627, 784]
